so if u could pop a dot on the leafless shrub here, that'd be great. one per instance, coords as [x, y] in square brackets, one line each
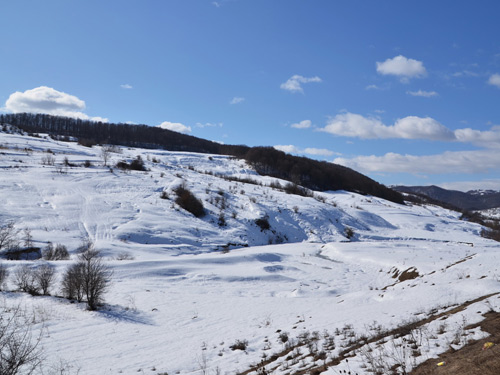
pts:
[44, 277]
[72, 282]
[28, 238]
[349, 233]
[124, 255]
[20, 349]
[283, 337]
[239, 345]
[4, 274]
[88, 278]
[8, 236]
[48, 159]
[25, 279]
[60, 252]
[105, 154]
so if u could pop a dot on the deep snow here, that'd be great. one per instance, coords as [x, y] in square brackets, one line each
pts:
[182, 301]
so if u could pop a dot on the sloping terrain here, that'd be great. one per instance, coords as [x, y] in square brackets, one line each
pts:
[202, 295]
[471, 200]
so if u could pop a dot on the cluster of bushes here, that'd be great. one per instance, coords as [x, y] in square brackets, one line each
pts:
[59, 252]
[135, 165]
[85, 280]
[187, 200]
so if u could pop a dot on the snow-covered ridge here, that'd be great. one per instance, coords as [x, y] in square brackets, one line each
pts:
[181, 300]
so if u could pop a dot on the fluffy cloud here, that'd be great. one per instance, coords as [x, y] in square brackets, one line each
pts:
[237, 100]
[425, 94]
[175, 126]
[45, 99]
[402, 67]
[291, 149]
[305, 124]
[126, 86]
[294, 84]
[410, 127]
[488, 138]
[448, 162]
[494, 80]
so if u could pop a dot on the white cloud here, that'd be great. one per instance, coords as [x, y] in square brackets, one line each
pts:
[465, 73]
[488, 138]
[294, 84]
[425, 94]
[126, 86]
[47, 100]
[372, 87]
[175, 126]
[305, 124]
[455, 162]
[209, 125]
[402, 67]
[216, 4]
[237, 100]
[291, 149]
[319, 151]
[494, 80]
[410, 127]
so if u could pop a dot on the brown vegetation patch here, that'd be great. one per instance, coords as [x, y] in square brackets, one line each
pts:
[490, 326]
[471, 359]
[409, 274]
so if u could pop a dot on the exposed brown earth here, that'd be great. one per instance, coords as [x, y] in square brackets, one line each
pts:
[471, 359]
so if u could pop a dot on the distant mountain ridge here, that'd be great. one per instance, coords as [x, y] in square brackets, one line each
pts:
[471, 201]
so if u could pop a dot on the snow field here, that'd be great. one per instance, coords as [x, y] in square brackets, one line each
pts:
[179, 302]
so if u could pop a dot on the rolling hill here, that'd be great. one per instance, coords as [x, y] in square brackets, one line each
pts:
[268, 279]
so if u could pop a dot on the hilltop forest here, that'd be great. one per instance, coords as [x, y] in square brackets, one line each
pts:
[309, 173]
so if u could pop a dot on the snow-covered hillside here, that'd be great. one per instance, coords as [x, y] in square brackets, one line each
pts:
[190, 288]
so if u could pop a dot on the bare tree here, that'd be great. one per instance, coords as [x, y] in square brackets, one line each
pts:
[89, 278]
[20, 350]
[25, 279]
[61, 252]
[96, 277]
[72, 282]
[105, 154]
[28, 238]
[44, 276]
[8, 236]
[4, 274]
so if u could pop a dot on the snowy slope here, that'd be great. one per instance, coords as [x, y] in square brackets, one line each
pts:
[181, 302]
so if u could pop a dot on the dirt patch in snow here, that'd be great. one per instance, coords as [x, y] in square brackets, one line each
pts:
[472, 359]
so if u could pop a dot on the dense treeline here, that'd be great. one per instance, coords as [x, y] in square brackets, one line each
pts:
[103, 132]
[313, 174]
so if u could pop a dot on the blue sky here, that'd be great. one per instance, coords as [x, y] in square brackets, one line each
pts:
[404, 92]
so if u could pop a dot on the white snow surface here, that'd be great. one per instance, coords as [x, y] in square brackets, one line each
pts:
[193, 287]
